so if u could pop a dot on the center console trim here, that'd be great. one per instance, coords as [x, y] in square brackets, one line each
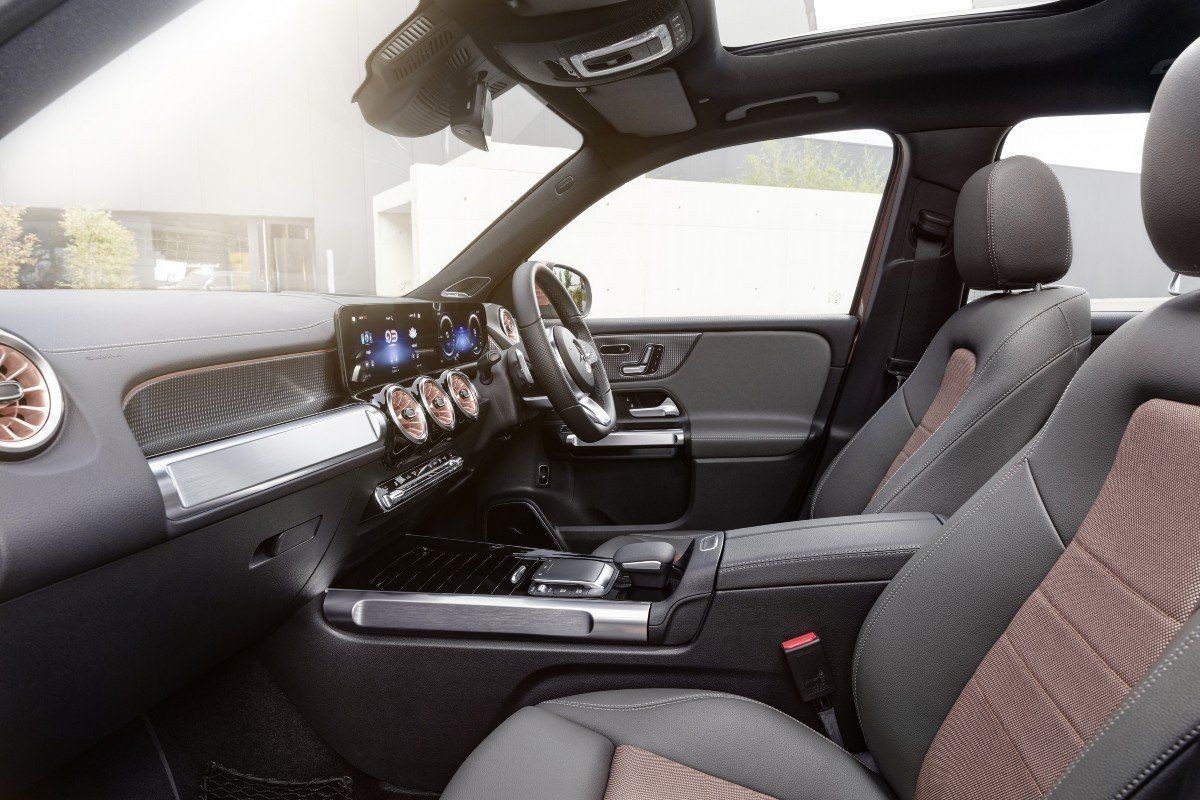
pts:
[423, 613]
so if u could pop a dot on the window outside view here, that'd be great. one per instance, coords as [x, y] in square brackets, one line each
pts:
[1098, 161]
[210, 156]
[745, 22]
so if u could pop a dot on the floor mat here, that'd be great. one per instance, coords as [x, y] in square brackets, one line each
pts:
[222, 783]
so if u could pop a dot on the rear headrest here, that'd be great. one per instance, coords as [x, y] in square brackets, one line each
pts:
[1171, 166]
[1011, 229]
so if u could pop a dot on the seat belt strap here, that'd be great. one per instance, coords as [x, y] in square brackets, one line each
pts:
[814, 679]
[931, 231]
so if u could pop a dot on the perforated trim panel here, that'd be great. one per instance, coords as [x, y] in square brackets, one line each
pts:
[1103, 615]
[189, 408]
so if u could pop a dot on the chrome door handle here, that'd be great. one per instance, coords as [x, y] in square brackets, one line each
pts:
[648, 365]
[666, 408]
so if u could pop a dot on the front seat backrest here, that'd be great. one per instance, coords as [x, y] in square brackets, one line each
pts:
[1047, 643]
[992, 374]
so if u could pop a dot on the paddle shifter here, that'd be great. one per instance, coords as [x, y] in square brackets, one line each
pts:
[648, 564]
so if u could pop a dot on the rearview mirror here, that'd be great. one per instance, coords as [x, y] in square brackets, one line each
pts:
[471, 113]
[576, 284]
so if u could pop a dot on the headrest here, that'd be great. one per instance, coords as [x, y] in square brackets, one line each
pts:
[1171, 166]
[1011, 229]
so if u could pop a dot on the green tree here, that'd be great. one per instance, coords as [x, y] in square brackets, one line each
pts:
[17, 248]
[100, 251]
[815, 164]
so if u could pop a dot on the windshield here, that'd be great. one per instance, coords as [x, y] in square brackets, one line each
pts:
[223, 153]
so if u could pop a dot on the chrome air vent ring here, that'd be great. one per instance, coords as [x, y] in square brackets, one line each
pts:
[508, 324]
[436, 402]
[462, 392]
[406, 414]
[31, 399]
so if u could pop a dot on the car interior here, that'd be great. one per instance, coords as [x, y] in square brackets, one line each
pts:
[868, 467]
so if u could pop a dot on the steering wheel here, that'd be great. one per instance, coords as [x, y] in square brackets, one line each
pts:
[565, 362]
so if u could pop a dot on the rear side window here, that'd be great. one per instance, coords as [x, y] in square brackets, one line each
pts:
[1098, 160]
[779, 227]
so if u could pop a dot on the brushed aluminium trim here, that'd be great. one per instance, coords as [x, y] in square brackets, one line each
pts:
[553, 618]
[200, 478]
[654, 438]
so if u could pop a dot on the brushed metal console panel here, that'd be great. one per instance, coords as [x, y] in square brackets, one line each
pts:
[413, 612]
[199, 478]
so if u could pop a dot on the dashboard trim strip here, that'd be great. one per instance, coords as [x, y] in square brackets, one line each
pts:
[198, 479]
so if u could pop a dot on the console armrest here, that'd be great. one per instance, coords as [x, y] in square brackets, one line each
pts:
[871, 547]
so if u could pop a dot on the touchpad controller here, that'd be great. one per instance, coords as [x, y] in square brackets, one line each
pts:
[573, 577]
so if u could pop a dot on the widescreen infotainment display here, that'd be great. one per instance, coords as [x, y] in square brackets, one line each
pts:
[387, 342]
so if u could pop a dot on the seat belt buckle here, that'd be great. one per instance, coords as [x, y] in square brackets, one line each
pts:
[810, 668]
[814, 678]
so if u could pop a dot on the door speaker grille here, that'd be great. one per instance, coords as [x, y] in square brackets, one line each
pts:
[31, 402]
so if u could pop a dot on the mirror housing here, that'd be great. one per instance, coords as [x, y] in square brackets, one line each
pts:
[471, 113]
[576, 284]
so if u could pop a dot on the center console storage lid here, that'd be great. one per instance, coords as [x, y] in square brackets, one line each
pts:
[871, 547]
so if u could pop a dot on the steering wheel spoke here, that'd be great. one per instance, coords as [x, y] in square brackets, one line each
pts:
[564, 359]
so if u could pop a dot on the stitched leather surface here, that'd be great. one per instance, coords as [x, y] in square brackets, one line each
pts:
[1011, 227]
[638, 774]
[833, 550]
[1105, 612]
[960, 369]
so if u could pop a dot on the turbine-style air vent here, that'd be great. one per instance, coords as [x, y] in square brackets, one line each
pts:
[407, 37]
[31, 401]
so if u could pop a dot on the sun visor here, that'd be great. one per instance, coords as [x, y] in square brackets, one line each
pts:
[651, 104]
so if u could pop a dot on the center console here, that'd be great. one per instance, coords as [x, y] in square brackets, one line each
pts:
[438, 586]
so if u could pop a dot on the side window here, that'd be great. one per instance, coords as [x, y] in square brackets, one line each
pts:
[771, 228]
[1098, 161]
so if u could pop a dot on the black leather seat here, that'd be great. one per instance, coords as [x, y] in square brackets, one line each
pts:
[991, 375]
[1046, 644]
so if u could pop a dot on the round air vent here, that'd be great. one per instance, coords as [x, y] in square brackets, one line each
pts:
[462, 392]
[406, 414]
[31, 401]
[437, 403]
[508, 323]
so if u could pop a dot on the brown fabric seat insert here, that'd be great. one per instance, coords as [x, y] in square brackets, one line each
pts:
[638, 774]
[1105, 612]
[960, 370]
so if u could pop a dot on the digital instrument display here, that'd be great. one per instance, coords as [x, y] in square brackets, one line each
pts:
[387, 342]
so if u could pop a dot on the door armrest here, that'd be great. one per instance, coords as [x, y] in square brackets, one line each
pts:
[871, 547]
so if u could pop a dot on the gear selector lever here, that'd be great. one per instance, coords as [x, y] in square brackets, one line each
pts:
[648, 564]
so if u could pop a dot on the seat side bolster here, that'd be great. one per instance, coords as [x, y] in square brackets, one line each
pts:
[1019, 380]
[535, 755]
[733, 738]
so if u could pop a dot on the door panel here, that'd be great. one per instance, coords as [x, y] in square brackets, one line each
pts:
[750, 399]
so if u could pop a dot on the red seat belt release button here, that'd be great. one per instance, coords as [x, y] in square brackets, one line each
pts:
[810, 668]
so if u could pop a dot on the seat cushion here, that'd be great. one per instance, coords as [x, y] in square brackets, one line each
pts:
[684, 743]
[680, 539]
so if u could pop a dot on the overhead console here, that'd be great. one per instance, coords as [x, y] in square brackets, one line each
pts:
[632, 39]
[415, 75]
